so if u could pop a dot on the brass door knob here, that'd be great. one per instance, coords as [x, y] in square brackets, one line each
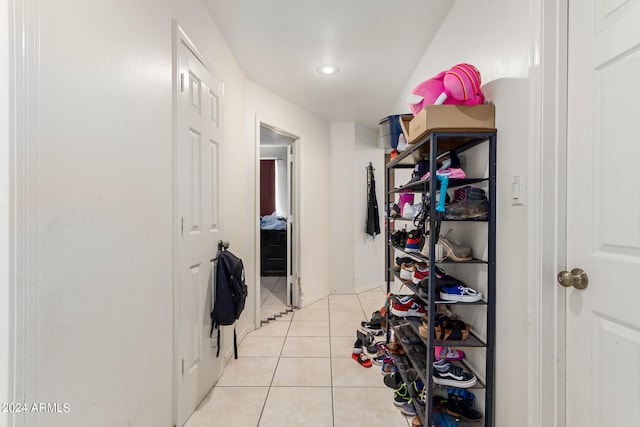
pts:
[576, 278]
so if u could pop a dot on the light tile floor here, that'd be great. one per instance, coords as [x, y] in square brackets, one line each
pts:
[273, 296]
[298, 371]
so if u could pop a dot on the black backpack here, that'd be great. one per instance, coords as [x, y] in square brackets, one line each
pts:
[230, 294]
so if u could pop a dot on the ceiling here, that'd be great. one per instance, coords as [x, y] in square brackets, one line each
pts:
[376, 43]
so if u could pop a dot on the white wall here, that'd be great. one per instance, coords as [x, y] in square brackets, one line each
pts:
[5, 307]
[368, 250]
[354, 262]
[341, 178]
[495, 35]
[104, 200]
[313, 166]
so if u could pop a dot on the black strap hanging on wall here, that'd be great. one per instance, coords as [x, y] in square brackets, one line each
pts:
[373, 217]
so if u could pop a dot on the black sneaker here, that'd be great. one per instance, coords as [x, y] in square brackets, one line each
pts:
[459, 407]
[401, 395]
[393, 380]
[373, 328]
[394, 211]
[366, 338]
[404, 260]
[446, 373]
[398, 238]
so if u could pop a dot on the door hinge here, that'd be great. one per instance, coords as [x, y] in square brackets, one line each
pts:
[181, 82]
[183, 366]
[182, 226]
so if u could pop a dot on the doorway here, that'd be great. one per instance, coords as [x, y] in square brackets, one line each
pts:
[277, 260]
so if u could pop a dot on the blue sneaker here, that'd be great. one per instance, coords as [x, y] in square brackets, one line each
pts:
[459, 293]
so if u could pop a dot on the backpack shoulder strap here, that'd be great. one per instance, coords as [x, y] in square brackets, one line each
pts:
[235, 343]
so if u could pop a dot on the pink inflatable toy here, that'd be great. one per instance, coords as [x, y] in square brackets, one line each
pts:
[458, 85]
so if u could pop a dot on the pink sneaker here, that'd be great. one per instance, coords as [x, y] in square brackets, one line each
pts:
[450, 354]
[450, 172]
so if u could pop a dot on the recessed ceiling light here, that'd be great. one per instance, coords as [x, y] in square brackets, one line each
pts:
[327, 69]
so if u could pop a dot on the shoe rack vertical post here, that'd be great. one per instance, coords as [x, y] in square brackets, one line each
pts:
[388, 262]
[431, 188]
[491, 298]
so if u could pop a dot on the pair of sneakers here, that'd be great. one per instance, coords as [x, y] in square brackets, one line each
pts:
[413, 243]
[460, 404]
[448, 374]
[375, 325]
[407, 306]
[416, 272]
[404, 397]
[458, 293]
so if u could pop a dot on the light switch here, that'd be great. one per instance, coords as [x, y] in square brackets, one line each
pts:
[517, 190]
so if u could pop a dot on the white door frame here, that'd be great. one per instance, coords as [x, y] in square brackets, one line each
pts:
[547, 212]
[23, 50]
[293, 245]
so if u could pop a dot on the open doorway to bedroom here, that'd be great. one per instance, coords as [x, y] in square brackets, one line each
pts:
[277, 205]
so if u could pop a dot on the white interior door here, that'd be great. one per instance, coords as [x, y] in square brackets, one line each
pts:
[198, 139]
[292, 271]
[603, 227]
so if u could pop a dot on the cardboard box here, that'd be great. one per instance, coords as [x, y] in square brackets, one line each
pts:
[451, 118]
[404, 125]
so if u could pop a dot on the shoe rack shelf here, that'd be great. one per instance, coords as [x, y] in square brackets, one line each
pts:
[425, 260]
[420, 292]
[420, 355]
[418, 186]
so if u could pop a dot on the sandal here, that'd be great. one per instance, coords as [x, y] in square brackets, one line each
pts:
[362, 359]
[395, 348]
[359, 356]
[455, 333]
[446, 329]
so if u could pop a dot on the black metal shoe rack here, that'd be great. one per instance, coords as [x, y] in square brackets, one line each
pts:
[420, 357]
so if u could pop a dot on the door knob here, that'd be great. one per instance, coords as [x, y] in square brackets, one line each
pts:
[576, 278]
